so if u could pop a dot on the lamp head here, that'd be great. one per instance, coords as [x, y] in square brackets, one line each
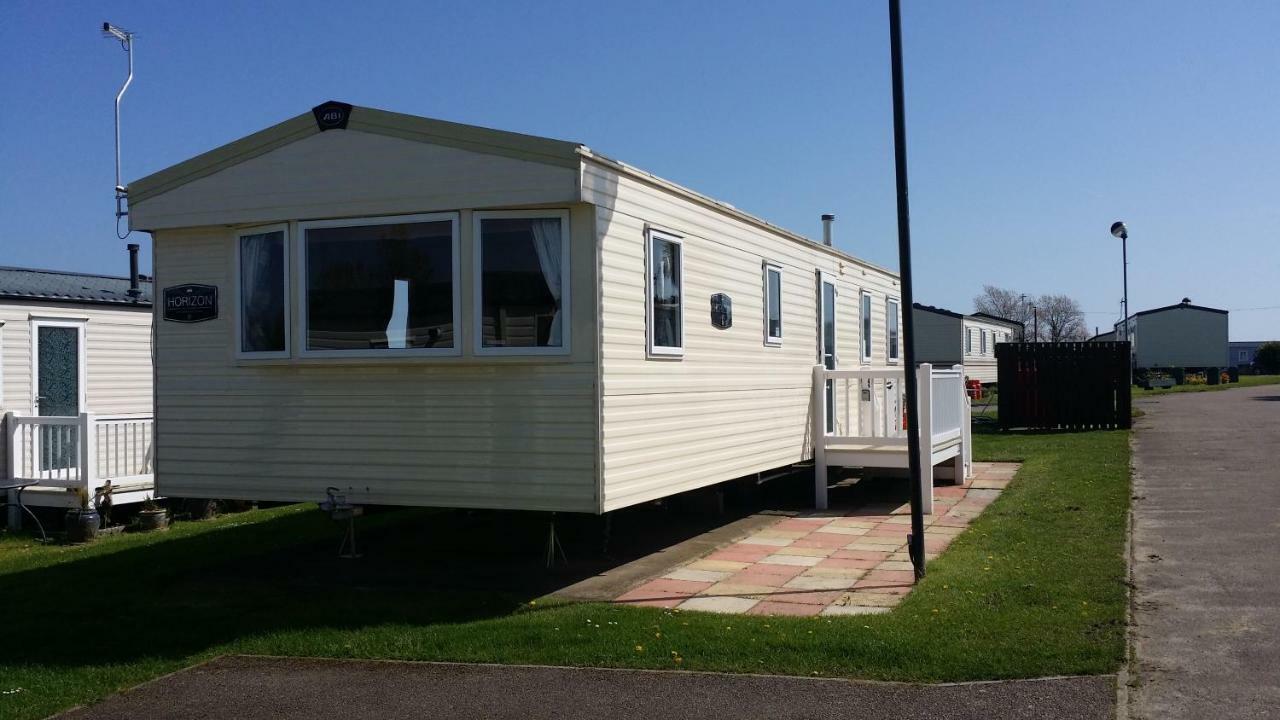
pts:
[1119, 230]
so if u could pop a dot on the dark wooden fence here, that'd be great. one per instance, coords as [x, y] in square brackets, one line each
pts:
[1067, 385]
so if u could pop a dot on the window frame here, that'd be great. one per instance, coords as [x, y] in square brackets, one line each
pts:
[982, 336]
[866, 326]
[300, 288]
[477, 280]
[769, 266]
[968, 341]
[240, 352]
[892, 353]
[652, 350]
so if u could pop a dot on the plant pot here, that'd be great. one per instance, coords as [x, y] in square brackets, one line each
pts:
[82, 525]
[149, 520]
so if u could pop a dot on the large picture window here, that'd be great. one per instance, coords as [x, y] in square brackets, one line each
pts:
[666, 294]
[891, 322]
[263, 310]
[866, 327]
[772, 304]
[381, 286]
[522, 282]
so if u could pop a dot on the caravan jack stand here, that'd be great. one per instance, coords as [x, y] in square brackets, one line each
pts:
[554, 547]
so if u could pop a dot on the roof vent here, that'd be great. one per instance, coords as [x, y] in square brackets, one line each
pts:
[827, 221]
[1186, 301]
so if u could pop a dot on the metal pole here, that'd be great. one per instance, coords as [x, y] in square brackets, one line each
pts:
[1035, 313]
[1124, 254]
[915, 541]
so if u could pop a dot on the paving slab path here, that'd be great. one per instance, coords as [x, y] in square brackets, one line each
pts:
[843, 561]
[250, 688]
[1206, 555]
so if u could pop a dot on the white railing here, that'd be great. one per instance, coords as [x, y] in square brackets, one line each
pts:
[80, 452]
[862, 404]
[946, 398]
[865, 407]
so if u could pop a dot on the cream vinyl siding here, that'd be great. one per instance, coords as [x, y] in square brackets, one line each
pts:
[977, 364]
[117, 358]
[495, 432]
[731, 406]
[350, 173]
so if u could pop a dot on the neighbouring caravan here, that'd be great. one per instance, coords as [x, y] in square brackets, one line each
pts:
[948, 338]
[426, 313]
[1178, 336]
[75, 376]
[981, 333]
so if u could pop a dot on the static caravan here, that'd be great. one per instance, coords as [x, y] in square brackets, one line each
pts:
[938, 334]
[948, 338]
[75, 385]
[425, 313]
[981, 333]
[1178, 336]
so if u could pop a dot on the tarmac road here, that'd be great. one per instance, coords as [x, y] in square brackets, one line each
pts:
[249, 688]
[1206, 555]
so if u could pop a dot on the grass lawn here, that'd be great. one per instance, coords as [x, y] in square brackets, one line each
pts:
[1245, 381]
[1034, 587]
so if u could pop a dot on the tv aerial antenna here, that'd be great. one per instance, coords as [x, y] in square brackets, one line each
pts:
[122, 193]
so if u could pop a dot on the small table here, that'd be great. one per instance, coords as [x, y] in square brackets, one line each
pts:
[18, 486]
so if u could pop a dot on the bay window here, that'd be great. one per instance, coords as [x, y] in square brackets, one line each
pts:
[522, 282]
[377, 287]
[262, 312]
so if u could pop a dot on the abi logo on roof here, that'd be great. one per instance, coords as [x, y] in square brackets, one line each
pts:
[332, 115]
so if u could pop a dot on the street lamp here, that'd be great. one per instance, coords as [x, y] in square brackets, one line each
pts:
[1119, 230]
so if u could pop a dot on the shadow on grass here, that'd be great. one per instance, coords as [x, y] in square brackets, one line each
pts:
[182, 596]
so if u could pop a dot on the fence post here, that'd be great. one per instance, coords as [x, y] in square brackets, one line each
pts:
[88, 454]
[820, 437]
[14, 519]
[924, 425]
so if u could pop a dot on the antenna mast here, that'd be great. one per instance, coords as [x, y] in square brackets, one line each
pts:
[122, 193]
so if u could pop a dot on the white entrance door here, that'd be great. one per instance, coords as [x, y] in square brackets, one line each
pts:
[58, 368]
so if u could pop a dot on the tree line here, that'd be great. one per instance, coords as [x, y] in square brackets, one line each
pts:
[1046, 318]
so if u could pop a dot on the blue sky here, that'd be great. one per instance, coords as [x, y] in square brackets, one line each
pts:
[1031, 126]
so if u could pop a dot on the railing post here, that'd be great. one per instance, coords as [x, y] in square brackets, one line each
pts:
[14, 519]
[820, 437]
[964, 461]
[924, 421]
[88, 453]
